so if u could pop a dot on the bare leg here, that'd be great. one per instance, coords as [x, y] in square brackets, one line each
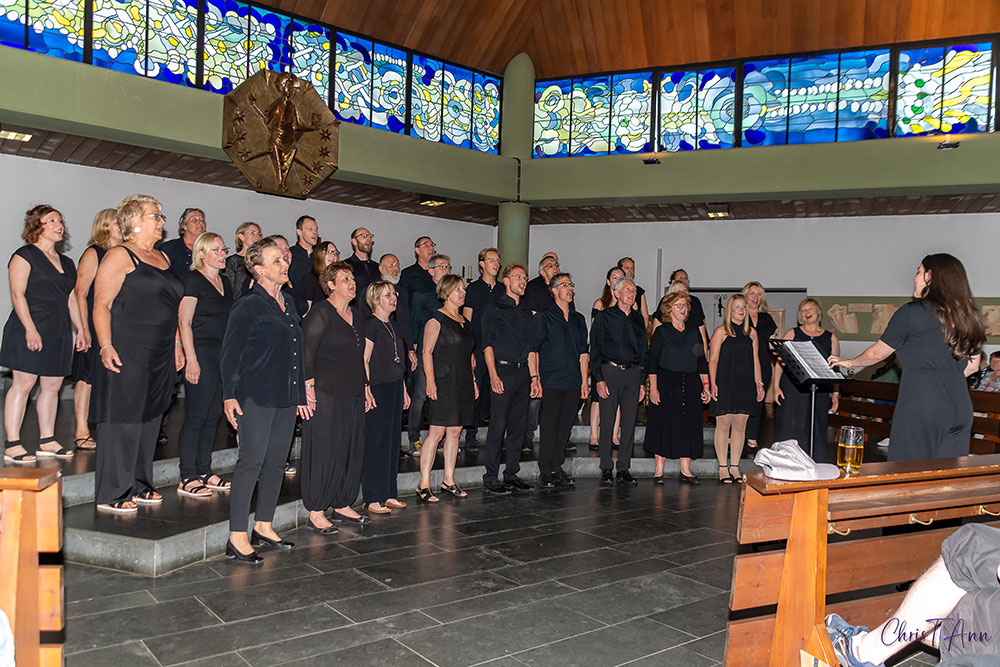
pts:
[347, 511]
[595, 421]
[658, 469]
[722, 426]
[81, 409]
[241, 541]
[685, 466]
[736, 443]
[266, 529]
[427, 453]
[450, 453]
[318, 519]
[45, 406]
[13, 409]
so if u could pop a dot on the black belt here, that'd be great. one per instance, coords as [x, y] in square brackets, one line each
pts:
[512, 364]
[621, 365]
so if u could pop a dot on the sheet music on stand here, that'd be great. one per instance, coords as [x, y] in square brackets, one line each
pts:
[805, 362]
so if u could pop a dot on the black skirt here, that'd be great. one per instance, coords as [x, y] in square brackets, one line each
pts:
[674, 427]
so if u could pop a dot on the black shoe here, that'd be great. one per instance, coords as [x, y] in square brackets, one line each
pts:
[361, 519]
[496, 488]
[689, 479]
[547, 482]
[518, 484]
[329, 530]
[162, 438]
[607, 478]
[626, 478]
[405, 454]
[258, 540]
[527, 447]
[252, 558]
[658, 479]
[564, 479]
[592, 447]
[570, 448]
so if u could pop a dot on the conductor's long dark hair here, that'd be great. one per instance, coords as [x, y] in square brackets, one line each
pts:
[948, 291]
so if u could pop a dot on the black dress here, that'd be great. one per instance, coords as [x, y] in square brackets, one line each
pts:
[673, 428]
[333, 439]
[734, 376]
[765, 329]
[47, 294]
[143, 325]
[236, 271]
[933, 414]
[455, 404]
[792, 419]
[84, 362]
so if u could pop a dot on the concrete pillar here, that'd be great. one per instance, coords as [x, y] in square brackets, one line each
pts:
[512, 232]
[514, 217]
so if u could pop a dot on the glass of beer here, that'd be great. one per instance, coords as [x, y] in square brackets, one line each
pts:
[850, 449]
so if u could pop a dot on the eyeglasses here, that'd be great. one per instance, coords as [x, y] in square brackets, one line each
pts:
[159, 217]
[442, 266]
[252, 233]
[220, 251]
[560, 285]
[366, 235]
[426, 244]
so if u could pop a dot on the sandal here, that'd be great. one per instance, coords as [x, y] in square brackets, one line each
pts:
[221, 484]
[82, 443]
[392, 503]
[738, 477]
[193, 487]
[148, 497]
[289, 469]
[25, 457]
[752, 444]
[376, 508]
[728, 478]
[61, 453]
[118, 507]
[424, 495]
[454, 489]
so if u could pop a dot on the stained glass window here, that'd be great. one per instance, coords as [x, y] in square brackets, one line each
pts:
[696, 109]
[591, 116]
[13, 16]
[457, 124]
[425, 98]
[173, 41]
[552, 112]
[310, 57]
[268, 41]
[631, 112]
[678, 111]
[717, 108]
[967, 87]
[486, 113]
[388, 88]
[56, 28]
[812, 99]
[353, 79]
[918, 92]
[765, 102]
[119, 35]
[226, 40]
[863, 102]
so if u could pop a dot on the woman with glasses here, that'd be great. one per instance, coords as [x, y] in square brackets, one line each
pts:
[247, 234]
[203, 315]
[323, 255]
[136, 295]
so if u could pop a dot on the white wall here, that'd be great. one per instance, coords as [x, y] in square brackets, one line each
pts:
[79, 192]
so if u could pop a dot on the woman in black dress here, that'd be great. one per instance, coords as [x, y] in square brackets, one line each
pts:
[735, 385]
[323, 255]
[136, 295]
[937, 338]
[333, 441]
[203, 314]
[105, 234]
[794, 400]
[263, 389]
[451, 386]
[678, 385]
[385, 362]
[38, 337]
[247, 234]
[764, 325]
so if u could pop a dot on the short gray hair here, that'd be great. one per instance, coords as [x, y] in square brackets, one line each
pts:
[433, 261]
[620, 282]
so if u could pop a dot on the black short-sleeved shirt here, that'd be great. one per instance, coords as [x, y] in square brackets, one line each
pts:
[537, 296]
[366, 272]
[559, 343]
[334, 350]
[179, 255]
[478, 295]
[211, 314]
[415, 278]
[309, 288]
[388, 358]
[301, 265]
[507, 328]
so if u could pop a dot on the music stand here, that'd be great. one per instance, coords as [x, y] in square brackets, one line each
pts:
[806, 365]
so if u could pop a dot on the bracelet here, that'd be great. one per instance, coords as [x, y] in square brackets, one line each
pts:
[704, 384]
[104, 347]
[533, 377]
[311, 386]
[760, 384]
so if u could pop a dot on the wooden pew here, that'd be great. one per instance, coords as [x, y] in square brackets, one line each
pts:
[31, 594]
[817, 539]
[858, 407]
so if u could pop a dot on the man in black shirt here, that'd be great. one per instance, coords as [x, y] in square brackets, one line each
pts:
[559, 357]
[178, 251]
[415, 276]
[537, 298]
[307, 231]
[366, 271]
[627, 265]
[423, 303]
[388, 266]
[619, 356]
[477, 296]
[508, 337]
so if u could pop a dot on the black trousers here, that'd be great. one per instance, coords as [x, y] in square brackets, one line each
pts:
[124, 460]
[265, 438]
[534, 405]
[333, 450]
[202, 410]
[483, 402]
[508, 414]
[558, 411]
[382, 428]
[623, 386]
[418, 396]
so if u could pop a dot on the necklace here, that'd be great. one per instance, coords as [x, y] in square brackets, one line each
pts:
[395, 346]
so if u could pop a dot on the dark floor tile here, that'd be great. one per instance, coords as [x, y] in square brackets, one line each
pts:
[486, 539]
[616, 573]
[108, 603]
[224, 660]
[668, 544]
[721, 517]
[368, 545]
[86, 583]
[132, 654]
[697, 618]
[712, 647]
[564, 566]
[630, 531]
[117, 627]
[717, 572]
[390, 603]
[506, 661]
[679, 656]
[237, 578]
[382, 653]
[434, 567]
[222, 639]
[496, 524]
[701, 554]
[494, 635]
[546, 546]
[512, 599]
[639, 596]
[361, 560]
[319, 643]
[611, 645]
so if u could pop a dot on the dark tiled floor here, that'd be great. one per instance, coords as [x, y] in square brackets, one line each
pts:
[589, 576]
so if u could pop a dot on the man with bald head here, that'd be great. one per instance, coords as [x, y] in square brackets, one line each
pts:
[366, 271]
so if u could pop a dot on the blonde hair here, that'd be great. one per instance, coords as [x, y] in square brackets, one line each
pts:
[100, 231]
[447, 285]
[763, 294]
[805, 302]
[130, 209]
[375, 291]
[242, 230]
[727, 315]
[676, 286]
[202, 245]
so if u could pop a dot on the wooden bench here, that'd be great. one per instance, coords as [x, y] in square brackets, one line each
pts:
[819, 539]
[31, 594]
[870, 405]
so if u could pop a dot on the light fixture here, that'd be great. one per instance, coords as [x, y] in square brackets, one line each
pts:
[651, 160]
[428, 200]
[718, 210]
[948, 145]
[14, 136]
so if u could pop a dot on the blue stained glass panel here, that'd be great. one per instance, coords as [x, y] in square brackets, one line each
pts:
[388, 88]
[552, 113]
[678, 111]
[56, 28]
[967, 86]
[918, 91]
[13, 16]
[119, 35]
[716, 108]
[765, 102]
[486, 113]
[457, 90]
[863, 104]
[812, 99]
[173, 41]
[352, 79]
[631, 112]
[425, 98]
[268, 41]
[591, 116]
[226, 37]
[310, 57]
